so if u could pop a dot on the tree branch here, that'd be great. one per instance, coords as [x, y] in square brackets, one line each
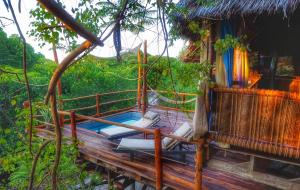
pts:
[24, 73]
[34, 164]
[11, 73]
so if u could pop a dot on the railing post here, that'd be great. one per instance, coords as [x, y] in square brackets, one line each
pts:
[73, 126]
[98, 104]
[145, 60]
[183, 100]
[139, 81]
[61, 120]
[158, 163]
[198, 165]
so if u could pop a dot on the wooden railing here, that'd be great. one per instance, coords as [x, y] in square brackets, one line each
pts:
[197, 185]
[98, 102]
[260, 120]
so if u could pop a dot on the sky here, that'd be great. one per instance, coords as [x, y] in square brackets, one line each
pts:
[154, 39]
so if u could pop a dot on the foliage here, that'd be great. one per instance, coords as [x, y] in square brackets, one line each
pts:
[94, 16]
[186, 75]
[91, 75]
[19, 162]
[16, 161]
[11, 51]
[222, 45]
[48, 29]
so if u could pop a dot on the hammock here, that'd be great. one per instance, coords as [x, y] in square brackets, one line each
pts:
[170, 101]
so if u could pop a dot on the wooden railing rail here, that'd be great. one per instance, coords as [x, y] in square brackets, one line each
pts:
[98, 104]
[117, 111]
[82, 108]
[158, 149]
[175, 93]
[158, 163]
[94, 95]
[116, 101]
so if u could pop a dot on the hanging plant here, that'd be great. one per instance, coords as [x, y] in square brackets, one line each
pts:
[222, 45]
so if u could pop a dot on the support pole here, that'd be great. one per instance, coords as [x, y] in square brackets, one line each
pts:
[59, 87]
[98, 104]
[145, 79]
[139, 80]
[198, 165]
[73, 126]
[158, 163]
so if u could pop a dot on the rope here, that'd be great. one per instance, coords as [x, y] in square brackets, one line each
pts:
[165, 99]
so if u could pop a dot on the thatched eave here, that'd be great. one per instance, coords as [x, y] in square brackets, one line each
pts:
[225, 9]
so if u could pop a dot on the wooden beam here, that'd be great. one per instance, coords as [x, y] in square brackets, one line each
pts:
[198, 165]
[59, 12]
[158, 163]
[73, 126]
[116, 101]
[139, 80]
[101, 94]
[145, 79]
[98, 104]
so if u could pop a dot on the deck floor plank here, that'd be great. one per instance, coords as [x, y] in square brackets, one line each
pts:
[96, 148]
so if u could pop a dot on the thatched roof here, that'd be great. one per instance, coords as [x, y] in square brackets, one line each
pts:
[221, 9]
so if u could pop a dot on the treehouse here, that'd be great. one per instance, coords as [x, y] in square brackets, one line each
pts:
[253, 111]
[254, 105]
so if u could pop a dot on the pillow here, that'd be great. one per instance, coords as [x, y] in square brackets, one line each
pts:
[151, 115]
[182, 131]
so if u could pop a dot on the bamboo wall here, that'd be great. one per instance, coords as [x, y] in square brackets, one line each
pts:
[260, 120]
[295, 85]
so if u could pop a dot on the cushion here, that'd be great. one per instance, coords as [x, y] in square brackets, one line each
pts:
[182, 131]
[136, 144]
[115, 130]
[143, 123]
[151, 115]
[111, 131]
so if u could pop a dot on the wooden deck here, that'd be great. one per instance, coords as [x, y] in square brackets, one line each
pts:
[98, 150]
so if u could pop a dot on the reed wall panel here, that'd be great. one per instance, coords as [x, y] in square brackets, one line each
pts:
[261, 120]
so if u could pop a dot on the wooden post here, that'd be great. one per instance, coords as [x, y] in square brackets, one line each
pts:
[73, 126]
[62, 120]
[26, 104]
[183, 100]
[158, 163]
[139, 81]
[198, 165]
[144, 79]
[98, 104]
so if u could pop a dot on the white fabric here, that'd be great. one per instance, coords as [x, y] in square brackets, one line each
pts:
[182, 131]
[200, 124]
[143, 123]
[165, 99]
[112, 131]
[136, 144]
[151, 115]
[148, 144]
